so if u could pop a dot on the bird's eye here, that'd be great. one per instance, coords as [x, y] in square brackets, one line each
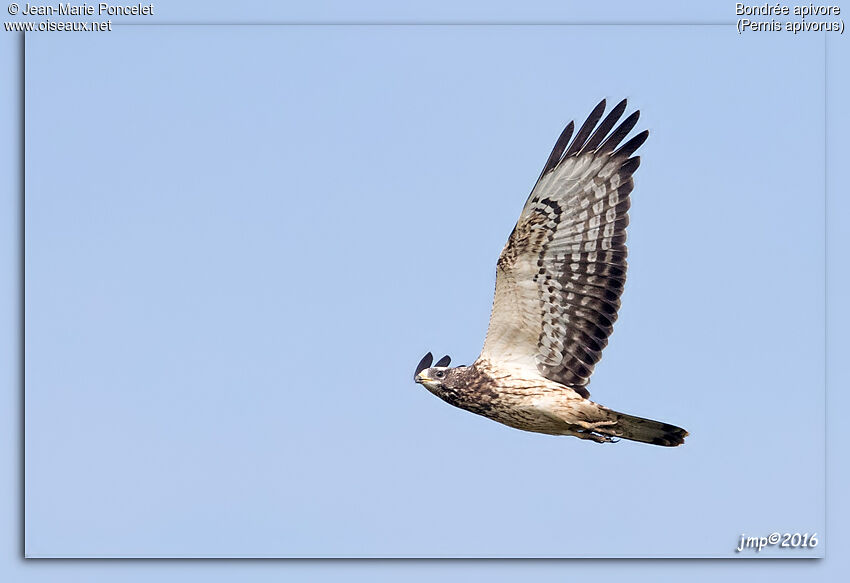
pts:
[440, 374]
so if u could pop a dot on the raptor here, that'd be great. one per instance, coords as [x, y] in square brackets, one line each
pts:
[559, 280]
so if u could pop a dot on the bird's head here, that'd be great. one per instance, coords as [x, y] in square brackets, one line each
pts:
[439, 379]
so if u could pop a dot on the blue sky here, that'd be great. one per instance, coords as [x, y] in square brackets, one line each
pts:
[190, 371]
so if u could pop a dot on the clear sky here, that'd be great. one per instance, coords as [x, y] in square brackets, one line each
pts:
[240, 241]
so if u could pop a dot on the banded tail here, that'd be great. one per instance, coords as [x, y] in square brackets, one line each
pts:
[640, 429]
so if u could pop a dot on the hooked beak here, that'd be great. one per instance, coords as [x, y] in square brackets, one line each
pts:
[421, 378]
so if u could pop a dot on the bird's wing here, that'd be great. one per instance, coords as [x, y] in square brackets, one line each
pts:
[561, 273]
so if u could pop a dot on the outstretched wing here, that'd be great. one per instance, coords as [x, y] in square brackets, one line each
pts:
[560, 276]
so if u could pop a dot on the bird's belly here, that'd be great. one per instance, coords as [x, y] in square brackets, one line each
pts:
[520, 408]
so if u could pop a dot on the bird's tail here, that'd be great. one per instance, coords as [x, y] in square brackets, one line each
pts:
[638, 428]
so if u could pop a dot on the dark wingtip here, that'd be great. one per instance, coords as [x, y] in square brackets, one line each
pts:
[601, 132]
[423, 364]
[445, 361]
[600, 107]
[585, 130]
[558, 149]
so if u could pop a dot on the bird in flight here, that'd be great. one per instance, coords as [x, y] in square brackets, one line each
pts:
[558, 286]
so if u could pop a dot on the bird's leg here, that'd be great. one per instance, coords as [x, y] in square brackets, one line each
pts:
[596, 425]
[577, 427]
[588, 434]
[590, 430]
